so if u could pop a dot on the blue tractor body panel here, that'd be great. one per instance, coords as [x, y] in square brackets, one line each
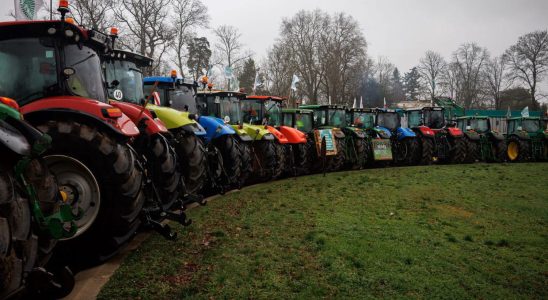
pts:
[404, 133]
[385, 130]
[214, 127]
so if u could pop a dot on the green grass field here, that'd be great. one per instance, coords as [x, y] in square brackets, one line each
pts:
[457, 231]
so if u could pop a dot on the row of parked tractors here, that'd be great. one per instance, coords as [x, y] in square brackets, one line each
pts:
[92, 152]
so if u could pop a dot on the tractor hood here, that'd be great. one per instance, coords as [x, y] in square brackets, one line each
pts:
[174, 119]
[293, 135]
[256, 132]
[383, 131]
[403, 133]
[278, 135]
[214, 127]
[139, 114]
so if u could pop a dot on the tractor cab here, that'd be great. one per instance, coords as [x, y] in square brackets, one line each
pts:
[262, 110]
[483, 143]
[432, 117]
[221, 104]
[527, 139]
[531, 125]
[388, 118]
[176, 93]
[328, 116]
[362, 117]
[479, 124]
[301, 119]
[124, 76]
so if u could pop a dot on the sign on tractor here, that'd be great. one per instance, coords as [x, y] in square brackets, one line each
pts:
[381, 149]
[330, 147]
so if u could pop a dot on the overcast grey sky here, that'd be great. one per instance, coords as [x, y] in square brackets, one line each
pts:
[398, 29]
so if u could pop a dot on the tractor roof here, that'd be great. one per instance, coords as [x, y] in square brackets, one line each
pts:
[524, 118]
[164, 80]
[472, 117]
[222, 93]
[297, 110]
[386, 110]
[264, 98]
[138, 59]
[362, 110]
[321, 106]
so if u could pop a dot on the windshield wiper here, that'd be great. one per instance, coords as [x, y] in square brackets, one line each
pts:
[83, 60]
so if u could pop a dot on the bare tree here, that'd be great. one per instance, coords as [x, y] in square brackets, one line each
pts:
[528, 59]
[384, 70]
[148, 27]
[450, 81]
[469, 60]
[496, 78]
[431, 67]
[96, 14]
[279, 70]
[189, 15]
[229, 45]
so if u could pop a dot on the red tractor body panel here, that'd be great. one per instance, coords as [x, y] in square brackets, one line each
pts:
[81, 105]
[426, 131]
[133, 111]
[455, 132]
[293, 135]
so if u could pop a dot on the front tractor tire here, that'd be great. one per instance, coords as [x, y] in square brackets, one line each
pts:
[192, 156]
[472, 151]
[498, 151]
[103, 181]
[518, 150]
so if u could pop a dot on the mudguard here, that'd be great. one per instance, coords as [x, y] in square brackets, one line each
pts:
[133, 111]
[172, 118]
[80, 109]
[383, 132]
[496, 135]
[472, 135]
[214, 127]
[293, 135]
[241, 133]
[403, 133]
[9, 112]
[455, 132]
[353, 131]
[522, 135]
[338, 133]
[423, 131]
[13, 139]
[256, 132]
[278, 135]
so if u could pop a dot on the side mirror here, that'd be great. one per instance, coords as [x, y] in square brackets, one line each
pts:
[114, 83]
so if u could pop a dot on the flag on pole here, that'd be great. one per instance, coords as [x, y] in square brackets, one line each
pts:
[294, 82]
[525, 112]
[26, 9]
[329, 100]
[361, 101]
[508, 113]
[385, 106]
[156, 98]
[257, 82]
[354, 105]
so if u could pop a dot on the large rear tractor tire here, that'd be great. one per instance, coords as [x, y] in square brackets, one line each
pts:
[266, 152]
[457, 154]
[165, 174]
[246, 159]
[300, 158]
[192, 156]
[499, 150]
[472, 151]
[18, 246]
[408, 147]
[518, 150]
[230, 151]
[360, 148]
[426, 151]
[338, 161]
[101, 178]
[282, 161]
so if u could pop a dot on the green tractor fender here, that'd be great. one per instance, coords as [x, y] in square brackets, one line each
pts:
[256, 132]
[472, 135]
[496, 135]
[338, 133]
[522, 135]
[354, 132]
[172, 118]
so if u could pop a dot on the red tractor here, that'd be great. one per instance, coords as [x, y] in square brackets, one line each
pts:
[436, 139]
[290, 140]
[53, 70]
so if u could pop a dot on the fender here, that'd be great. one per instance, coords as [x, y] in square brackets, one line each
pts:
[522, 135]
[13, 139]
[382, 132]
[172, 118]
[472, 135]
[214, 127]
[293, 135]
[403, 133]
[241, 133]
[423, 131]
[278, 135]
[353, 131]
[80, 109]
[257, 132]
[455, 132]
[496, 135]
[7, 111]
[338, 133]
[133, 111]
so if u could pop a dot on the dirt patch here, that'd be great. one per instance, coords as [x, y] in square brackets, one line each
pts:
[454, 211]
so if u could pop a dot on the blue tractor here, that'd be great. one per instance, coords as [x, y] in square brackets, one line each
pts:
[405, 144]
[223, 150]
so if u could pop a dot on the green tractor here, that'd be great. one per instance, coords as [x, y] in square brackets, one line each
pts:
[350, 142]
[261, 159]
[527, 139]
[378, 146]
[482, 143]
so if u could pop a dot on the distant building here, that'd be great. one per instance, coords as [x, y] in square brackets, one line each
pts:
[411, 104]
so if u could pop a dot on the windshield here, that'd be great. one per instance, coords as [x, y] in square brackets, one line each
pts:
[303, 122]
[252, 111]
[530, 126]
[182, 98]
[363, 119]
[389, 120]
[87, 80]
[414, 118]
[434, 119]
[479, 125]
[273, 113]
[130, 78]
[28, 69]
[230, 107]
[337, 117]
